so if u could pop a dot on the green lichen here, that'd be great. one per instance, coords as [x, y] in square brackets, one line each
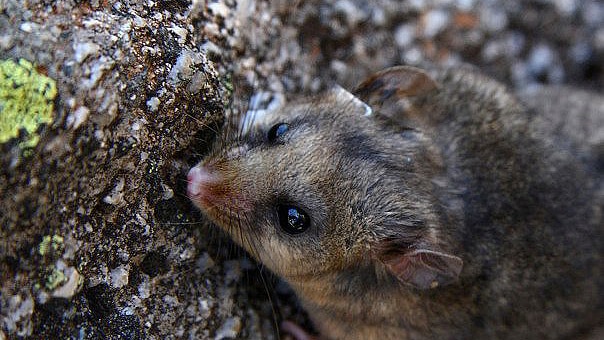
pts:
[54, 242]
[54, 279]
[26, 101]
[52, 245]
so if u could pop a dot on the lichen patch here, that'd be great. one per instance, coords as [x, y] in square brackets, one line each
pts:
[26, 100]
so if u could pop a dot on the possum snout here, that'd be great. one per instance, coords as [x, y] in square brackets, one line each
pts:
[201, 184]
[214, 189]
[198, 178]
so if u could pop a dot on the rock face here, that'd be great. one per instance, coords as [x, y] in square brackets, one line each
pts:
[97, 238]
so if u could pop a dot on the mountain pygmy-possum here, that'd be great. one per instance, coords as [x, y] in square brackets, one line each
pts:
[423, 205]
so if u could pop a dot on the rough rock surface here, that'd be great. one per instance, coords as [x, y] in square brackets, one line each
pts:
[97, 238]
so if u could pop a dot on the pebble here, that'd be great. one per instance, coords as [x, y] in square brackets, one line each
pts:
[28, 27]
[180, 32]
[404, 35]
[204, 262]
[119, 276]
[229, 329]
[91, 23]
[353, 14]
[413, 56]
[219, 9]
[465, 5]
[153, 104]
[83, 50]
[566, 7]
[144, 289]
[417, 4]
[184, 68]
[581, 52]
[139, 22]
[78, 117]
[540, 59]
[493, 18]
[378, 17]
[117, 195]
[434, 22]
[170, 300]
[593, 13]
[18, 309]
[68, 289]
[6, 42]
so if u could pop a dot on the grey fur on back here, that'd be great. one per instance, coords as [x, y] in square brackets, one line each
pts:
[572, 117]
[532, 182]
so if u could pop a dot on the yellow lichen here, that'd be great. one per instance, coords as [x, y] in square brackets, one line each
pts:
[26, 101]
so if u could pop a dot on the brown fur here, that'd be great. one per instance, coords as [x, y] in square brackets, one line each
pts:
[456, 173]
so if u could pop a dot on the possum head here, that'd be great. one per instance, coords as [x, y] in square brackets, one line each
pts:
[327, 184]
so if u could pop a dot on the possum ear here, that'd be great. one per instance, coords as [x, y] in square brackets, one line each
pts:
[392, 93]
[421, 268]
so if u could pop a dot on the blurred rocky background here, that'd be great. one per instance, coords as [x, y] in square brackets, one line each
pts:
[105, 105]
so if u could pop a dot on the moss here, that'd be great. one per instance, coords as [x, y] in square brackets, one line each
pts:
[26, 101]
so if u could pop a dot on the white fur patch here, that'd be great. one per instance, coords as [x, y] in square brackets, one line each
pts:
[261, 107]
[368, 110]
[347, 95]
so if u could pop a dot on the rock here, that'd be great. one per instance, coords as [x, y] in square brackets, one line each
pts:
[94, 213]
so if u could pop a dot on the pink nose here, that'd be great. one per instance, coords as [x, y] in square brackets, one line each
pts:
[198, 181]
[210, 189]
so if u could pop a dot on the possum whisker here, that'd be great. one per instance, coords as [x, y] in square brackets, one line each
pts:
[203, 124]
[276, 316]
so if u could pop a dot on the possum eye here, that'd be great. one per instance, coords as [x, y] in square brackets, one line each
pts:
[293, 220]
[277, 131]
